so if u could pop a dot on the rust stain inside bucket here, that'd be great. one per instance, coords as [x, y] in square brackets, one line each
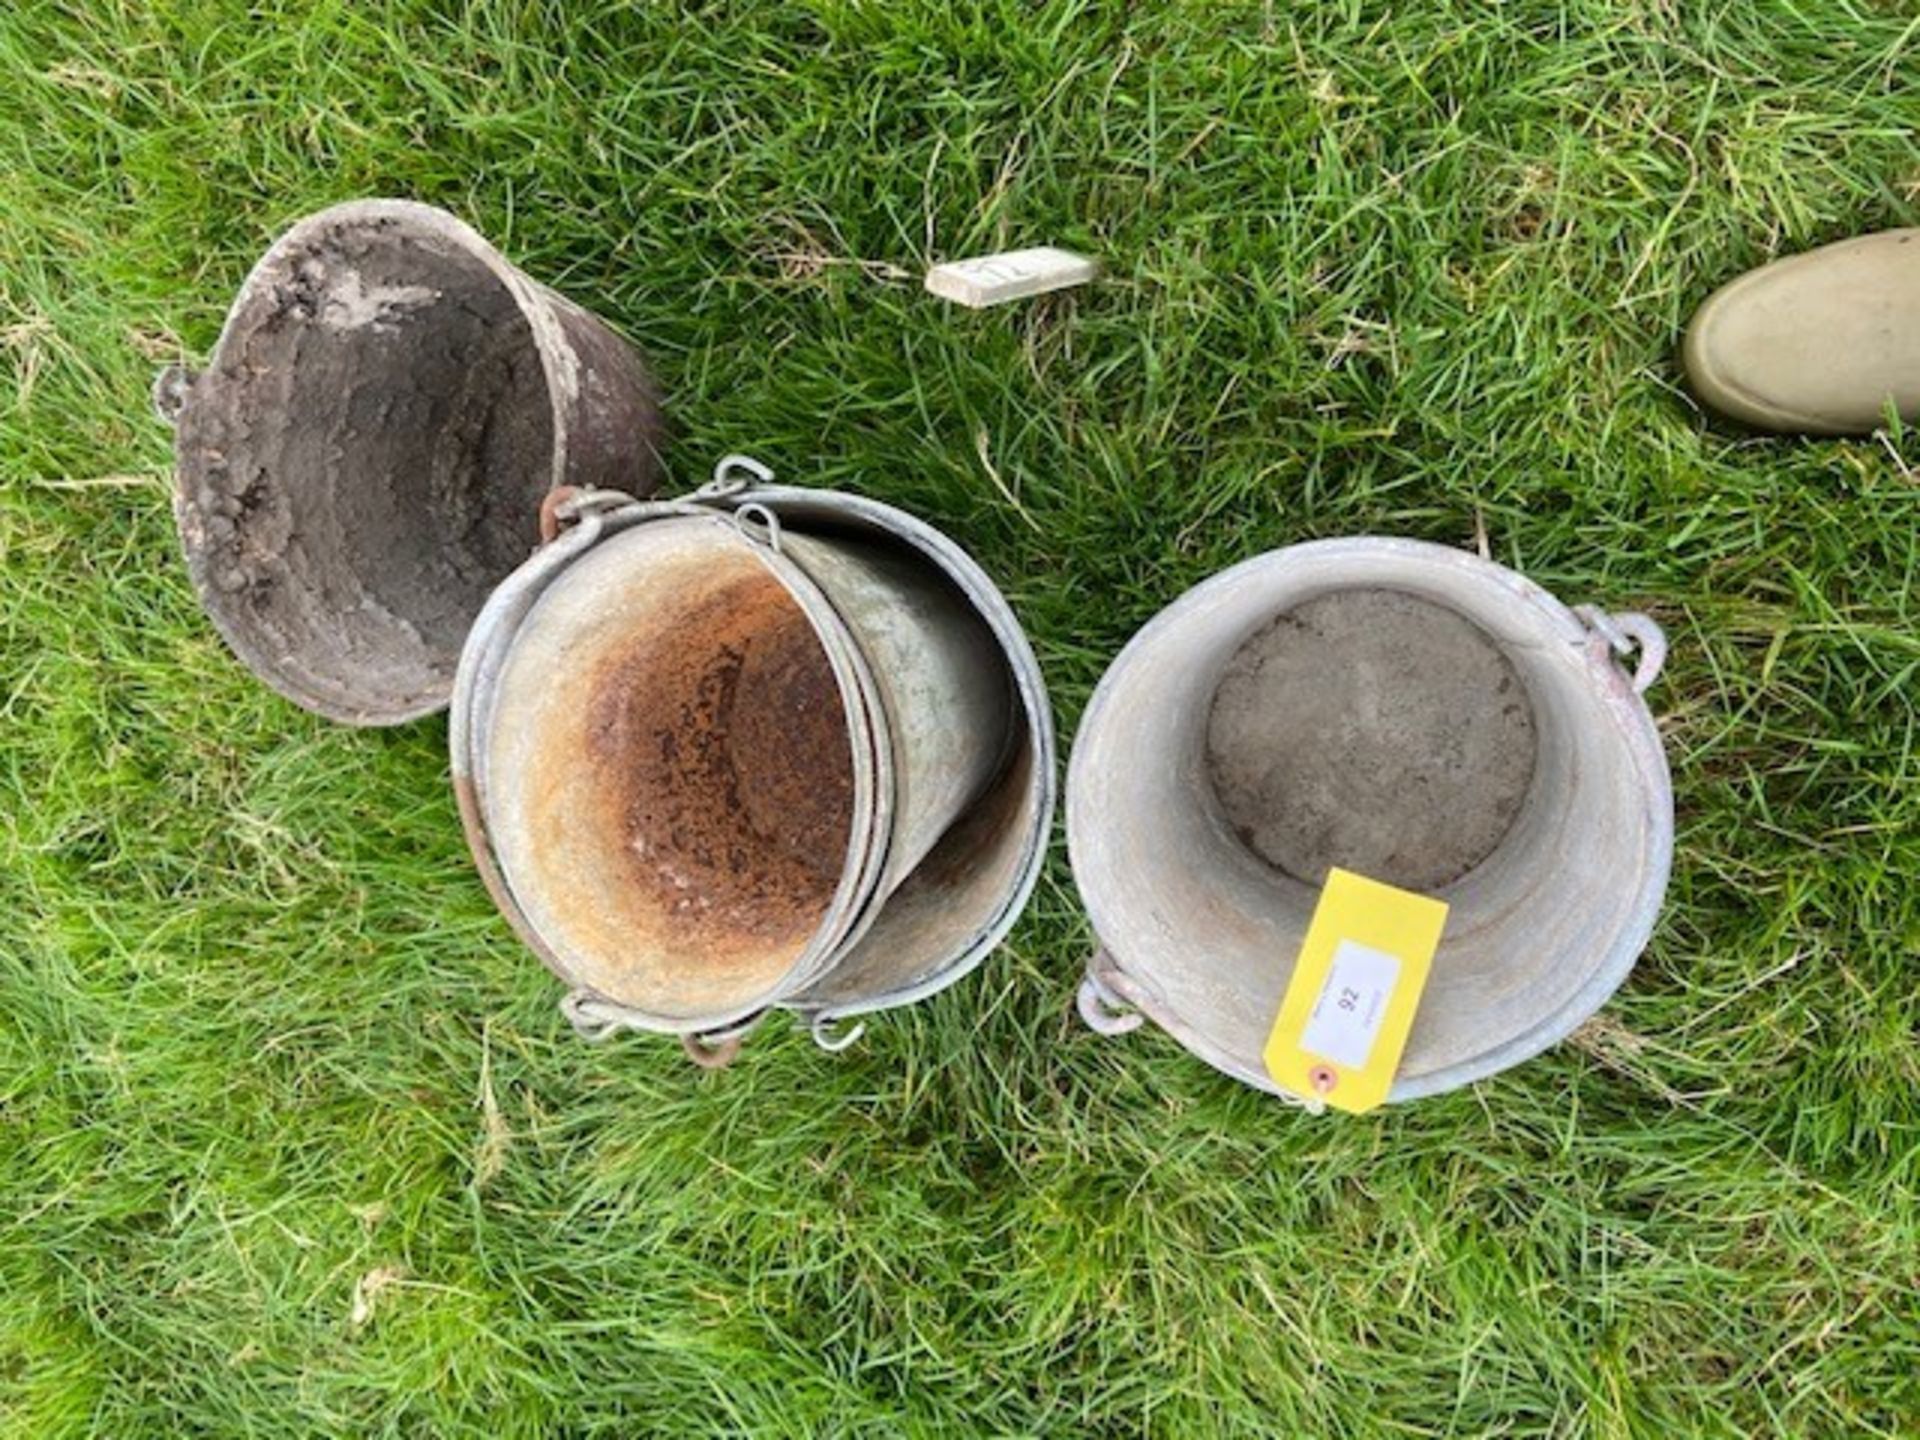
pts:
[725, 770]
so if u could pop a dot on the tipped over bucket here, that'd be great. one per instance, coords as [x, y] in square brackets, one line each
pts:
[365, 456]
[1406, 711]
[764, 748]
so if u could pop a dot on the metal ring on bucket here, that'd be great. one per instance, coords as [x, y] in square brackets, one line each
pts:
[1626, 632]
[759, 524]
[1102, 1011]
[824, 1035]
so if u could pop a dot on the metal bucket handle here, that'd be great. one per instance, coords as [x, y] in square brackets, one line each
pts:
[569, 504]
[711, 1054]
[759, 524]
[833, 1041]
[1626, 632]
[595, 1019]
[731, 475]
[1107, 1012]
[171, 388]
[1102, 1011]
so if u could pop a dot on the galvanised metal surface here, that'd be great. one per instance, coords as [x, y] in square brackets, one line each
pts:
[1199, 933]
[683, 766]
[940, 694]
[945, 698]
[366, 452]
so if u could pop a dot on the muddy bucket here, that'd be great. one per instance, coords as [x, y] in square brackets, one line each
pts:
[366, 454]
[762, 748]
[1400, 709]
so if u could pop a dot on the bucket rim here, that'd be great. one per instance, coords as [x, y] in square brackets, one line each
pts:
[533, 299]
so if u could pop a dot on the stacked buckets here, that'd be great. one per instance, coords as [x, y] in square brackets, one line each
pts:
[761, 748]
[766, 748]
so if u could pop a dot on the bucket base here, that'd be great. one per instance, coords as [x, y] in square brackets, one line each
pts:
[1373, 730]
[726, 770]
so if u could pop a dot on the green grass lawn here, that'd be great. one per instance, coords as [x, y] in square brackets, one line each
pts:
[292, 1137]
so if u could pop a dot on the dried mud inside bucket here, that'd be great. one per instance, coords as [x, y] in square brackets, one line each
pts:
[728, 781]
[1374, 730]
[365, 462]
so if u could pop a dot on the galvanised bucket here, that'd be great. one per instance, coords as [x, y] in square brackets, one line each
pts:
[762, 748]
[366, 454]
[1400, 709]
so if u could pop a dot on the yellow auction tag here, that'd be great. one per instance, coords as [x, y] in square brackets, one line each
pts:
[1344, 1019]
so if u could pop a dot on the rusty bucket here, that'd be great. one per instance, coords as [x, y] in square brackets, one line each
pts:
[1404, 710]
[366, 454]
[762, 748]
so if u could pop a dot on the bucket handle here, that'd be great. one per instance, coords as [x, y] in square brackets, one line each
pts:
[711, 1054]
[566, 503]
[717, 1049]
[171, 387]
[593, 1018]
[1626, 632]
[1106, 1013]
[833, 1041]
[759, 524]
[1102, 1011]
[733, 474]
[596, 1019]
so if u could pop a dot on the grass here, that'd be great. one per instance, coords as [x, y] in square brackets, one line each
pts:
[292, 1139]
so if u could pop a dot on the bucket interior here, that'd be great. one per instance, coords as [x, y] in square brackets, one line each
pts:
[960, 896]
[1427, 724]
[365, 459]
[1374, 730]
[671, 776]
[940, 675]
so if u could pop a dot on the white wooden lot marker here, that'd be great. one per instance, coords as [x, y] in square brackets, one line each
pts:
[1010, 275]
